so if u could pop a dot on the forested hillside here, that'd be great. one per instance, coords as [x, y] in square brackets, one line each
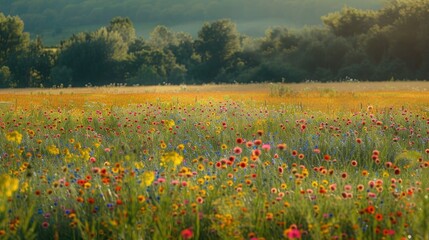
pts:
[56, 20]
[389, 43]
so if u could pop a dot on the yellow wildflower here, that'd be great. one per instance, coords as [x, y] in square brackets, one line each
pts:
[169, 123]
[14, 136]
[201, 167]
[138, 165]
[172, 157]
[147, 178]
[181, 147]
[84, 153]
[52, 149]
[87, 185]
[96, 144]
[24, 187]
[141, 198]
[8, 185]
[77, 146]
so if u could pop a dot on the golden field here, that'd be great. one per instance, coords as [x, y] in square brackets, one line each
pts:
[333, 97]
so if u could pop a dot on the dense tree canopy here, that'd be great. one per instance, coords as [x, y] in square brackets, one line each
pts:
[392, 42]
[22, 62]
[12, 37]
[216, 44]
[92, 58]
[124, 27]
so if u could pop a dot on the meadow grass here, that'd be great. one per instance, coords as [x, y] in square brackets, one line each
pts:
[216, 162]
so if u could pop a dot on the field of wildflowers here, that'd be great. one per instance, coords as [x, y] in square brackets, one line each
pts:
[307, 164]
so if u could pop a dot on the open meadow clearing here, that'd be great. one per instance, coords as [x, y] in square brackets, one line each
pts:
[257, 161]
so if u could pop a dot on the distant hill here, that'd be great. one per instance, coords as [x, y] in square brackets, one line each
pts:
[55, 20]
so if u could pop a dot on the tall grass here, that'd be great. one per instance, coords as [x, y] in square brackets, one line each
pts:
[104, 167]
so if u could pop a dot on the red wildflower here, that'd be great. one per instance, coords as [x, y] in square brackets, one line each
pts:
[387, 232]
[91, 200]
[327, 157]
[397, 171]
[238, 150]
[370, 209]
[243, 164]
[292, 233]
[187, 233]
[256, 152]
[281, 146]
[45, 224]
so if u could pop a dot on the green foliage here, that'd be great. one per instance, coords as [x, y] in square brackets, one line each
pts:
[407, 159]
[350, 21]
[124, 27]
[13, 39]
[92, 57]
[162, 37]
[391, 42]
[24, 62]
[62, 75]
[217, 42]
[155, 66]
[5, 76]
[278, 39]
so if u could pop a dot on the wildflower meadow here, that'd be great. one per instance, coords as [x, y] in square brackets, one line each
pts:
[246, 162]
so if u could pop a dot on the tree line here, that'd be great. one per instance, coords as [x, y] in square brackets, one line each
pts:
[361, 44]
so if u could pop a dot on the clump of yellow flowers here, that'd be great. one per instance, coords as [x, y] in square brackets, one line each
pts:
[171, 157]
[147, 178]
[14, 136]
[8, 186]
